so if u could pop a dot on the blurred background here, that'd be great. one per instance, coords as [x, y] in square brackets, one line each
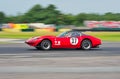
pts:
[23, 19]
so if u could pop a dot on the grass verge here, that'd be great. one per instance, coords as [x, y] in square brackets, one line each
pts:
[25, 35]
[105, 36]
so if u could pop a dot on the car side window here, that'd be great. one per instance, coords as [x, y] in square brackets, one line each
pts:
[68, 34]
[75, 34]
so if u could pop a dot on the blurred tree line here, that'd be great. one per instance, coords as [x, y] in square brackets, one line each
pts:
[50, 15]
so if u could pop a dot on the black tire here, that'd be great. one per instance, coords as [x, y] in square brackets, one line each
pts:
[45, 45]
[86, 44]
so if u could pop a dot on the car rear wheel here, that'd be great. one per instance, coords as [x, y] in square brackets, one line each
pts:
[45, 45]
[86, 44]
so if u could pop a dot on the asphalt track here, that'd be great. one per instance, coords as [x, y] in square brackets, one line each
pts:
[106, 49]
[18, 60]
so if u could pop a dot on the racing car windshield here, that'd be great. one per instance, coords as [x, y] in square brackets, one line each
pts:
[62, 34]
[70, 34]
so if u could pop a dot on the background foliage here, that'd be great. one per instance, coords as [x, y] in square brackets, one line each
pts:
[51, 15]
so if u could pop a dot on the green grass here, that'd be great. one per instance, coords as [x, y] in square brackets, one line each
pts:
[25, 35]
[105, 36]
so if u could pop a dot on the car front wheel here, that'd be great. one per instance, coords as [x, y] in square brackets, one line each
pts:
[45, 45]
[86, 44]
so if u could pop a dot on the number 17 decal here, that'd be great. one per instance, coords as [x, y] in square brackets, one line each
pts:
[74, 41]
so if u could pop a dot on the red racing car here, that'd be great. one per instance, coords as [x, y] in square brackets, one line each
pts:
[69, 39]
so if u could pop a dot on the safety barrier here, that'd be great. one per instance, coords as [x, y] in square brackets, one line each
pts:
[45, 30]
[27, 30]
[100, 29]
[61, 30]
[11, 30]
[0, 29]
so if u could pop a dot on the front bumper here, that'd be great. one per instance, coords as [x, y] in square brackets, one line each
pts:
[31, 42]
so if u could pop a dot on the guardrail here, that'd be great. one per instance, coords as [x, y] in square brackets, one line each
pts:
[100, 29]
[83, 30]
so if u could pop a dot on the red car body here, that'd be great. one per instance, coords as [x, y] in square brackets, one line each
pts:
[64, 41]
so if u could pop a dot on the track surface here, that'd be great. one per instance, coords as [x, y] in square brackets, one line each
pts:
[19, 61]
[106, 49]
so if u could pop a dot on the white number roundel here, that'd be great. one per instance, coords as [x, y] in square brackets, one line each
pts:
[74, 41]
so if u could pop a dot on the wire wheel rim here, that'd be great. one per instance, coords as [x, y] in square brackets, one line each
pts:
[46, 45]
[86, 44]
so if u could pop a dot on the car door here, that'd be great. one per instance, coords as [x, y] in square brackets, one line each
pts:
[70, 40]
[61, 42]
